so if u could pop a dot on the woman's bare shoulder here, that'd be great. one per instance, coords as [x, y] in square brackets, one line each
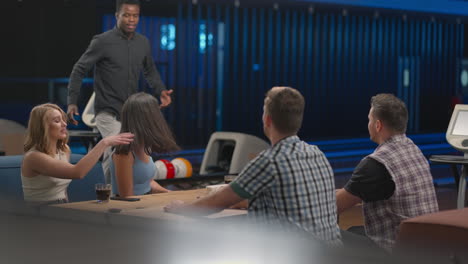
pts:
[123, 157]
[32, 154]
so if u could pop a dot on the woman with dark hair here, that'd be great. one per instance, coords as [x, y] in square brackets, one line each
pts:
[132, 167]
[46, 171]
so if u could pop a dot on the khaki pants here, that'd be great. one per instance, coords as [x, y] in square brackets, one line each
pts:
[108, 125]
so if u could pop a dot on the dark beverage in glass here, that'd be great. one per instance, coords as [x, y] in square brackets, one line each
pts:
[103, 195]
[103, 192]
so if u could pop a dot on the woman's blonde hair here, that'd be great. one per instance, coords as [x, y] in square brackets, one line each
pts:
[37, 134]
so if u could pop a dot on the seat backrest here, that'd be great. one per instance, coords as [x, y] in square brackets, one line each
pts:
[79, 190]
[10, 177]
[440, 233]
[88, 115]
[83, 190]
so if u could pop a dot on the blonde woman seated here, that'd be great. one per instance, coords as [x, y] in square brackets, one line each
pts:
[132, 167]
[46, 171]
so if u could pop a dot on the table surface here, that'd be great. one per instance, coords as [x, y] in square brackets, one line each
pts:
[149, 206]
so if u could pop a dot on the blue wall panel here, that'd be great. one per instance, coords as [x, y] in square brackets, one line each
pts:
[337, 60]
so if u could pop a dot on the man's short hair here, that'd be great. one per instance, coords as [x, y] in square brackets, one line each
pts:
[285, 105]
[119, 3]
[391, 111]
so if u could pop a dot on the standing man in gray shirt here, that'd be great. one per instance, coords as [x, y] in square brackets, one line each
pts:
[118, 56]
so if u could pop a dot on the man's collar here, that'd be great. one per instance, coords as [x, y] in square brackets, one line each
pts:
[287, 139]
[122, 34]
[393, 138]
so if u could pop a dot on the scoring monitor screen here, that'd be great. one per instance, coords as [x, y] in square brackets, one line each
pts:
[460, 128]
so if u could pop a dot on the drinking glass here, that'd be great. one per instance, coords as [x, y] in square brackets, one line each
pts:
[103, 191]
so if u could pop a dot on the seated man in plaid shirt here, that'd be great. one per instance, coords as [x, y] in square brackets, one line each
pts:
[394, 182]
[290, 184]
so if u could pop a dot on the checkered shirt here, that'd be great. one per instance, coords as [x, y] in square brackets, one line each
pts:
[414, 190]
[291, 184]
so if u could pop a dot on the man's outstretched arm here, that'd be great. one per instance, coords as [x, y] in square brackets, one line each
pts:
[345, 200]
[209, 204]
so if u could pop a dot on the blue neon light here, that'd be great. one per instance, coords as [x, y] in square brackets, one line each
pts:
[452, 7]
[168, 37]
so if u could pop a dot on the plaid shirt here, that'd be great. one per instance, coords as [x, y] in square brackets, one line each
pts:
[414, 190]
[292, 184]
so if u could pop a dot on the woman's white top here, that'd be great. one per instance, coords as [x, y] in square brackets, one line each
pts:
[43, 188]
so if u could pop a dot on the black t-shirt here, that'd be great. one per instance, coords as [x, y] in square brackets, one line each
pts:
[371, 181]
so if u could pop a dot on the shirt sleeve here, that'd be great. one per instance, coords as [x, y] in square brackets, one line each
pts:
[258, 175]
[81, 69]
[371, 181]
[151, 72]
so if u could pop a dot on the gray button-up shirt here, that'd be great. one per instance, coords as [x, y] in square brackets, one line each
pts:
[118, 62]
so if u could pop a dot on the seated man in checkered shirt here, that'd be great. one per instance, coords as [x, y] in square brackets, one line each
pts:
[290, 184]
[394, 182]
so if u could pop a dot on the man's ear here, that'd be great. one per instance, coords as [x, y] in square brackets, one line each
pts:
[378, 125]
[268, 120]
[116, 15]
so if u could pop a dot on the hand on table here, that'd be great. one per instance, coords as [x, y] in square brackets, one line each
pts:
[244, 204]
[173, 206]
